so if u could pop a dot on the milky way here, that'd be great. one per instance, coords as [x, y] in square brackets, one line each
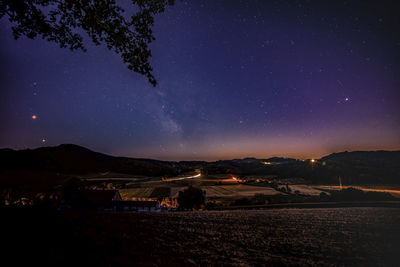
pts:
[236, 79]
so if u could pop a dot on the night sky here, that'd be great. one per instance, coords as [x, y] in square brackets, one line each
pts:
[236, 79]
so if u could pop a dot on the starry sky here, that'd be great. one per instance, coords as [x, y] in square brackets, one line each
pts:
[236, 79]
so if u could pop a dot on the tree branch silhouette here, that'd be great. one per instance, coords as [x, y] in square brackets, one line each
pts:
[105, 22]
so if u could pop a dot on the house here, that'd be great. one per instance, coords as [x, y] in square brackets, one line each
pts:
[169, 203]
[101, 199]
[167, 197]
[137, 205]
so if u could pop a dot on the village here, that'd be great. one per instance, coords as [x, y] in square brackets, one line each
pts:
[116, 192]
[111, 200]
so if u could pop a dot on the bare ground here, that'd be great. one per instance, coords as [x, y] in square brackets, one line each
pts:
[284, 237]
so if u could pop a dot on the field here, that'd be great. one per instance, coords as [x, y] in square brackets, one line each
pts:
[128, 194]
[302, 237]
[225, 187]
[216, 191]
[240, 190]
[149, 192]
[306, 189]
[393, 190]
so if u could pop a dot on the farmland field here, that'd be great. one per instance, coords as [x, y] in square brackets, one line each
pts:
[242, 190]
[303, 237]
[128, 194]
[238, 191]
[393, 190]
[148, 192]
[306, 189]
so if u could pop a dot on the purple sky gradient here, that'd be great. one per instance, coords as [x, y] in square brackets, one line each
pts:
[248, 78]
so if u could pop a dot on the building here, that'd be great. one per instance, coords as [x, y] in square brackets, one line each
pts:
[167, 197]
[101, 199]
[169, 203]
[137, 205]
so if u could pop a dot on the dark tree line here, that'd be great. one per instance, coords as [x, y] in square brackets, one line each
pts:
[191, 198]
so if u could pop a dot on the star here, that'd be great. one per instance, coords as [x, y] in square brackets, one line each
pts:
[44, 140]
[34, 117]
[346, 99]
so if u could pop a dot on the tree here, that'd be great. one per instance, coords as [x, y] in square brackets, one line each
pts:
[260, 199]
[105, 22]
[191, 198]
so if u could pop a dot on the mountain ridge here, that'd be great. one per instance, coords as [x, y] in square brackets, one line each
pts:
[379, 166]
[275, 158]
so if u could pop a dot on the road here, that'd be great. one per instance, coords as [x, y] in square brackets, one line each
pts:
[182, 178]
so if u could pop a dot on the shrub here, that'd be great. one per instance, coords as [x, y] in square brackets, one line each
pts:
[191, 198]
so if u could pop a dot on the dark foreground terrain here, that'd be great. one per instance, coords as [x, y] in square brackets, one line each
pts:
[335, 236]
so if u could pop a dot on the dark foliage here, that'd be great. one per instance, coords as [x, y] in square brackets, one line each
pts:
[242, 202]
[191, 198]
[72, 196]
[104, 21]
[211, 205]
[353, 194]
[324, 196]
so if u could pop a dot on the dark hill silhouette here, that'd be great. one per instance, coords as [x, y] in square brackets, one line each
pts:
[358, 167]
[68, 158]
[370, 156]
[374, 167]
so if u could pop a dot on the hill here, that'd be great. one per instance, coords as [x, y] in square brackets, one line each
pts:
[358, 167]
[68, 158]
[373, 167]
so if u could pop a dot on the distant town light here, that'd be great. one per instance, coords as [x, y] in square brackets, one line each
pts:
[266, 163]
[313, 160]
